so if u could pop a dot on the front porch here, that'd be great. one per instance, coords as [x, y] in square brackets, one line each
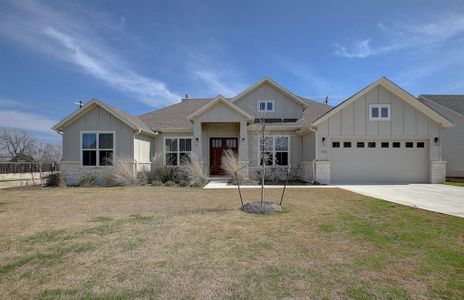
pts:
[218, 126]
[215, 138]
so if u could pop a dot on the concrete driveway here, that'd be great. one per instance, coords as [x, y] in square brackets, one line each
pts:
[435, 197]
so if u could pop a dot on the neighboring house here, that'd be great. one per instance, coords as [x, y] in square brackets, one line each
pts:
[382, 134]
[452, 141]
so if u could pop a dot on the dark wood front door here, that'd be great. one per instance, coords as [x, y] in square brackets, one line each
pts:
[216, 150]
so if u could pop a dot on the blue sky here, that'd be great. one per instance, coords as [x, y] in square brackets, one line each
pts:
[142, 55]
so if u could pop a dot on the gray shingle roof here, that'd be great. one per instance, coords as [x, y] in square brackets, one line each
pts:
[173, 116]
[313, 111]
[176, 116]
[131, 119]
[453, 102]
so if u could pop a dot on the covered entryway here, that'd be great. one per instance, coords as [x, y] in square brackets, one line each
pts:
[217, 148]
[384, 161]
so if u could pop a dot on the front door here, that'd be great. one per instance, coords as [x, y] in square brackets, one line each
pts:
[217, 148]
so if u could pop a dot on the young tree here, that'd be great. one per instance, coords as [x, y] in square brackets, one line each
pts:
[262, 135]
[15, 144]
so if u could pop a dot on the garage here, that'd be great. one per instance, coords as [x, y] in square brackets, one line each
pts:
[387, 161]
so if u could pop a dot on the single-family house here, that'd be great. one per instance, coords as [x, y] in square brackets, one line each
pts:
[381, 134]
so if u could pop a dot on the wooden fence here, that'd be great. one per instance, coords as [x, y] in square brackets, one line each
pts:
[28, 167]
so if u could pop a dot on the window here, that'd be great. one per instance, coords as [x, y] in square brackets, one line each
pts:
[396, 144]
[177, 151]
[335, 144]
[371, 144]
[360, 145]
[385, 145]
[97, 148]
[231, 143]
[379, 112]
[346, 144]
[409, 144]
[265, 106]
[420, 145]
[276, 150]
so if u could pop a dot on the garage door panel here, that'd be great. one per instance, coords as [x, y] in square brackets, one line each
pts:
[379, 165]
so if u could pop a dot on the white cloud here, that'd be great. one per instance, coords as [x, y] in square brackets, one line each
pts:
[402, 35]
[362, 49]
[216, 83]
[27, 121]
[212, 73]
[12, 103]
[79, 41]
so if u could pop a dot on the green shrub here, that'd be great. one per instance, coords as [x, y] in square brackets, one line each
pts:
[277, 174]
[55, 180]
[88, 180]
[184, 183]
[198, 182]
[109, 180]
[170, 183]
[166, 173]
[156, 183]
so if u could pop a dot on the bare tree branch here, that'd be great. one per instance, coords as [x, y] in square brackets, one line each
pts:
[15, 144]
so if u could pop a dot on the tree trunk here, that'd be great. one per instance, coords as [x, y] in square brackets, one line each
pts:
[263, 167]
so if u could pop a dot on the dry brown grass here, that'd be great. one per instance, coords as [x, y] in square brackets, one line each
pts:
[148, 242]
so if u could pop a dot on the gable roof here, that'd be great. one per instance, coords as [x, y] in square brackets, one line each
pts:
[130, 120]
[452, 102]
[174, 116]
[398, 91]
[312, 112]
[217, 100]
[273, 84]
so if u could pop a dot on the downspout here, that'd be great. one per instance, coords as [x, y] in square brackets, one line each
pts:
[315, 159]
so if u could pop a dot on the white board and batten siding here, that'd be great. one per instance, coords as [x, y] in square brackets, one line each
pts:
[220, 113]
[378, 165]
[142, 152]
[98, 119]
[284, 107]
[452, 141]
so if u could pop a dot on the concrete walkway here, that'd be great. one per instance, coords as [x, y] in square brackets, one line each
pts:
[222, 184]
[434, 197]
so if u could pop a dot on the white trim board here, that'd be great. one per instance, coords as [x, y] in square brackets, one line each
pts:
[396, 90]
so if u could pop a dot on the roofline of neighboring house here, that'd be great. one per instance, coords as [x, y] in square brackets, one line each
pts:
[426, 99]
[215, 101]
[395, 89]
[266, 79]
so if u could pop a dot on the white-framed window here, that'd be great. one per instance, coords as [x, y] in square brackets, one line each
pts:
[177, 150]
[266, 106]
[379, 112]
[276, 150]
[97, 148]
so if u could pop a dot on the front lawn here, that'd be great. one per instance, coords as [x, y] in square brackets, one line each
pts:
[455, 183]
[149, 242]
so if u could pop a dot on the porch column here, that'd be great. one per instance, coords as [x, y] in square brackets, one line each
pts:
[243, 147]
[197, 141]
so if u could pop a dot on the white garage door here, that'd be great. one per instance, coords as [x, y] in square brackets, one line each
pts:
[379, 161]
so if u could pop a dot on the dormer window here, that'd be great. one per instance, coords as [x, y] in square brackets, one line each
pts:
[379, 112]
[266, 106]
